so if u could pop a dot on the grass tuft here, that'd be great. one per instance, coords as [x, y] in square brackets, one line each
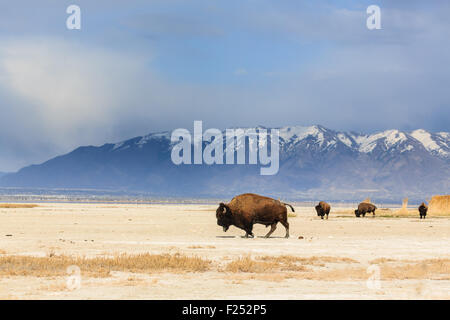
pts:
[56, 265]
[17, 205]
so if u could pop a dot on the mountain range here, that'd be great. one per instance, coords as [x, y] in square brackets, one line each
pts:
[315, 163]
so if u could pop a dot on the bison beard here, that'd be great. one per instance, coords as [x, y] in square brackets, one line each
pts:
[245, 210]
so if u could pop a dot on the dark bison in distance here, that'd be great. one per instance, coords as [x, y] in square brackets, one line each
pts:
[322, 209]
[423, 208]
[364, 208]
[245, 210]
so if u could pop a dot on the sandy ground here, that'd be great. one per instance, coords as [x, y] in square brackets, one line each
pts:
[106, 229]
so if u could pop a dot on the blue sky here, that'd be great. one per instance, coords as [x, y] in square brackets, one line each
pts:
[142, 66]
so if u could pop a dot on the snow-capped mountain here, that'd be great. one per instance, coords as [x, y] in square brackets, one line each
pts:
[436, 143]
[315, 162]
[386, 141]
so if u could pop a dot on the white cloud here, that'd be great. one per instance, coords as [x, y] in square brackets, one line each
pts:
[240, 72]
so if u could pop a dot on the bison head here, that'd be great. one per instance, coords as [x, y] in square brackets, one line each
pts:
[357, 213]
[224, 217]
[319, 210]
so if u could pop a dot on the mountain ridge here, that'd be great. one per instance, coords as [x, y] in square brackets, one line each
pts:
[315, 162]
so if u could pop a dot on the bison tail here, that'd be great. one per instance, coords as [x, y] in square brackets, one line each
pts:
[287, 204]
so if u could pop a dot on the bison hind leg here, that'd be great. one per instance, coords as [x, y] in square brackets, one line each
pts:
[286, 225]
[273, 226]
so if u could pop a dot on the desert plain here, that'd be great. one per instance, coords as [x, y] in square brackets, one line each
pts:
[161, 251]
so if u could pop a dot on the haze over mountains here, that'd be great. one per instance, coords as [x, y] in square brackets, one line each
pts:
[315, 162]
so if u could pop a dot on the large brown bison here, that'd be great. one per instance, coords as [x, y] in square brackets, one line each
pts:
[322, 209]
[245, 210]
[364, 208]
[423, 208]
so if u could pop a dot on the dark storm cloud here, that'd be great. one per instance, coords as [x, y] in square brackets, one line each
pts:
[145, 66]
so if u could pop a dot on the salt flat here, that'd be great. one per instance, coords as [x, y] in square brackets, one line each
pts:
[106, 230]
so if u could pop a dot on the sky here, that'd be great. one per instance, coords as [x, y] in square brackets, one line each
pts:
[138, 66]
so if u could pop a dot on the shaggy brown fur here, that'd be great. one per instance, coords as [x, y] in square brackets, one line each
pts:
[322, 209]
[245, 210]
[364, 208]
[423, 208]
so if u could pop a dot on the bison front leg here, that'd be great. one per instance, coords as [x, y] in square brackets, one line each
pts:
[273, 226]
[249, 234]
[248, 231]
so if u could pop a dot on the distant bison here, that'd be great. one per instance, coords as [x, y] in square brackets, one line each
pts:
[423, 208]
[322, 209]
[245, 210]
[364, 208]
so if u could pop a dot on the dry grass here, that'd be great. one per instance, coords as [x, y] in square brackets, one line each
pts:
[439, 206]
[382, 260]
[281, 263]
[54, 286]
[380, 213]
[344, 213]
[435, 269]
[17, 205]
[247, 264]
[56, 265]
[314, 261]
[238, 278]
[337, 274]
[291, 215]
[201, 247]
[404, 209]
[263, 268]
[327, 268]
[400, 213]
[133, 281]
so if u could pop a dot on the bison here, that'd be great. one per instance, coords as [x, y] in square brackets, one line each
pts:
[244, 210]
[364, 208]
[322, 209]
[423, 208]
